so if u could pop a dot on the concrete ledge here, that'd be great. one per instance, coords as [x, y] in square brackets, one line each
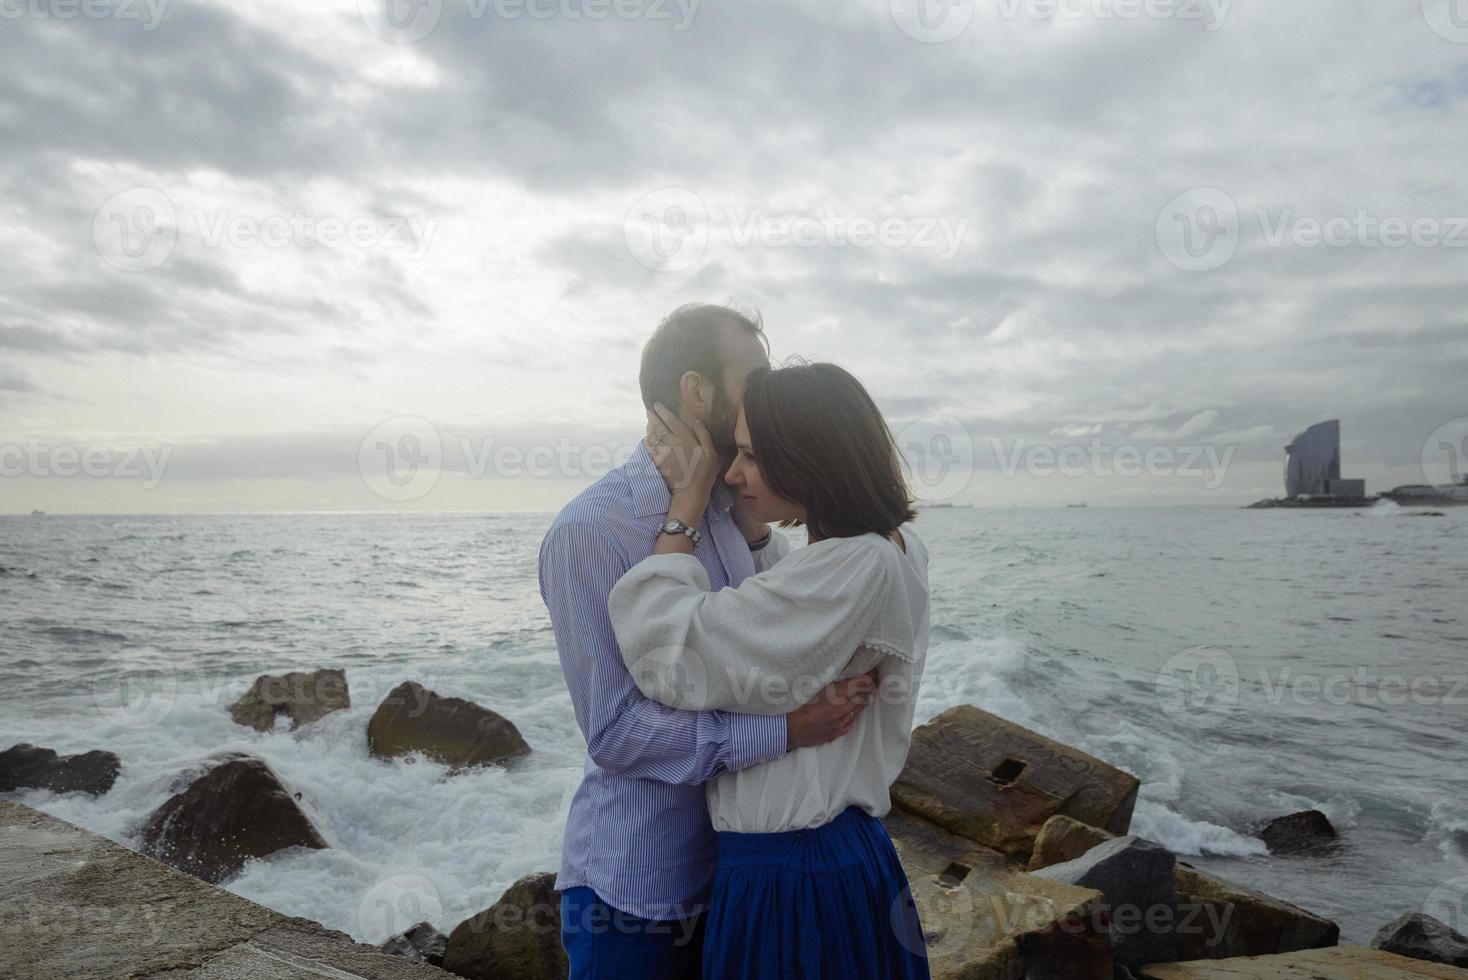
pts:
[76, 906]
[1333, 963]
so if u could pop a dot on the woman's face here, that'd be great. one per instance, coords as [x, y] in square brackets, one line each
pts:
[757, 499]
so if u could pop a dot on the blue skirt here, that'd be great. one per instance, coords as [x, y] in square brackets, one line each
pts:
[832, 901]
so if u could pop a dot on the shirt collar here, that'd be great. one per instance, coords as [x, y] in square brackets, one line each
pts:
[650, 494]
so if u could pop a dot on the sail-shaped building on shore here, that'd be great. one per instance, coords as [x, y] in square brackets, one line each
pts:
[1313, 460]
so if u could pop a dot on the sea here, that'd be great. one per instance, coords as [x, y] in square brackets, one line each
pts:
[1242, 664]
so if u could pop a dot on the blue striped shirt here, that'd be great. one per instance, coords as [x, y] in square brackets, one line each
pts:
[638, 833]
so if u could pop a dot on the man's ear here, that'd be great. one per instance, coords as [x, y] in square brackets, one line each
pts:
[697, 395]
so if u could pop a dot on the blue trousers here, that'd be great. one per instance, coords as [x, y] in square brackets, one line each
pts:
[605, 943]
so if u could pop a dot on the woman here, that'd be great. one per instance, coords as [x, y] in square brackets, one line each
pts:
[807, 882]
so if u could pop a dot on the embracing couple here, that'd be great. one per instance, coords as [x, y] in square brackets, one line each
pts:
[746, 706]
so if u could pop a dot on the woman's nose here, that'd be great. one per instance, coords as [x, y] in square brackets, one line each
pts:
[732, 477]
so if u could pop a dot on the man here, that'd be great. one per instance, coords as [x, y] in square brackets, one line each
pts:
[638, 854]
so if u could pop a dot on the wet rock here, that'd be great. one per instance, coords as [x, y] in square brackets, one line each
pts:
[26, 766]
[1215, 918]
[421, 942]
[236, 811]
[1306, 832]
[302, 697]
[516, 938]
[453, 731]
[1064, 839]
[1421, 937]
[1218, 919]
[983, 918]
[1135, 875]
[984, 778]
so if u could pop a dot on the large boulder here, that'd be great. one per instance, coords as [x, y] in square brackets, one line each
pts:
[1306, 832]
[1422, 937]
[236, 811]
[1135, 875]
[420, 942]
[301, 697]
[516, 938]
[1335, 963]
[453, 731]
[992, 781]
[1064, 839]
[983, 919]
[1216, 918]
[26, 766]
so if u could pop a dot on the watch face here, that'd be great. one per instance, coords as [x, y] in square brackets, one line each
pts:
[672, 527]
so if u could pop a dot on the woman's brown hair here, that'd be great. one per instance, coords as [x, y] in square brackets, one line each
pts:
[820, 441]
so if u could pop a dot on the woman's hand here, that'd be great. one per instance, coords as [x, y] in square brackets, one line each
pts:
[685, 457]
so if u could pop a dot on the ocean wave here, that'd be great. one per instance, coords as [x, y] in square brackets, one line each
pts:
[1447, 827]
[1194, 838]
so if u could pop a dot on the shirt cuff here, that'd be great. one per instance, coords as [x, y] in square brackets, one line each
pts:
[754, 739]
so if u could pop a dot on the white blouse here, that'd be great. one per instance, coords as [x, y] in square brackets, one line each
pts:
[828, 611]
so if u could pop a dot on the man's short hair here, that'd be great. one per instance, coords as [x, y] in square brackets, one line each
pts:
[688, 340]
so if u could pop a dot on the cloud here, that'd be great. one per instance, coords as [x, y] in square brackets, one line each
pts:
[524, 143]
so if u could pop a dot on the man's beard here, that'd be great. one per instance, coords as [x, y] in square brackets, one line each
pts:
[722, 418]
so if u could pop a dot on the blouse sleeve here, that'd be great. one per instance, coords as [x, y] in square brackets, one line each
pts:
[765, 647]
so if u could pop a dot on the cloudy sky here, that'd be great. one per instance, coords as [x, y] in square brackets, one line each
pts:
[336, 255]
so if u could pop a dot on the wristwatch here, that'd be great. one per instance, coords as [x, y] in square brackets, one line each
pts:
[675, 526]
